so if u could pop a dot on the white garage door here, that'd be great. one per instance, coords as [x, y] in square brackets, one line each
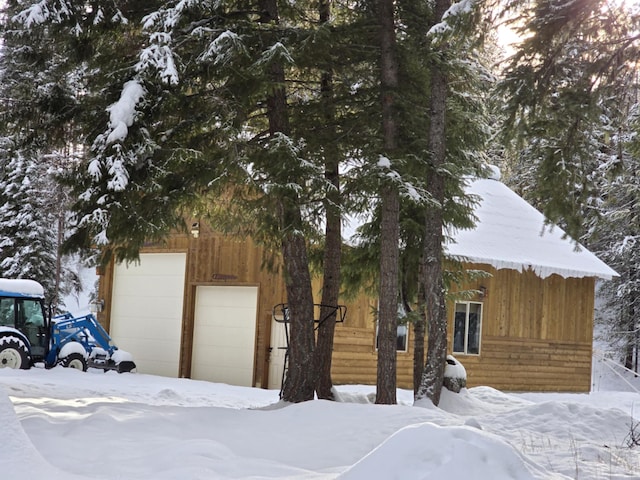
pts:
[146, 311]
[224, 334]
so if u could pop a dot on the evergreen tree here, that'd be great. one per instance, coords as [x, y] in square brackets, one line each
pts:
[27, 225]
[619, 245]
[332, 256]
[466, 134]
[557, 87]
[38, 100]
[614, 232]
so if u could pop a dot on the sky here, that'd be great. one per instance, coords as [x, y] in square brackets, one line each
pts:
[63, 424]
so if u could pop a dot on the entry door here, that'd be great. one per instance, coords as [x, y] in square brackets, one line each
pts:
[146, 311]
[224, 336]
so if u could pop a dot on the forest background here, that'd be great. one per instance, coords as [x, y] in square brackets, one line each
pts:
[278, 119]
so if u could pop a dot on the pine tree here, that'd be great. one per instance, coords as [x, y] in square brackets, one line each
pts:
[557, 86]
[571, 91]
[38, 102]
[389, 210]
[614, 231]
[27, 224]
[332, 256]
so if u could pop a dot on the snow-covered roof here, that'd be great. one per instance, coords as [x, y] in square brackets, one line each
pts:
[20, 288]
[510, 233]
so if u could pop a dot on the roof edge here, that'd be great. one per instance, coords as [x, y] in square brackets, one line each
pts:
[542, 271]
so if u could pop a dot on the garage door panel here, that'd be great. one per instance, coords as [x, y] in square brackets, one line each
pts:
[224, 361]
[147, 359]
[234, 297]
[225, 317]
[170, 264]
[227, 357]
[225, 375]
[146, 312]
[148, 286]
[136, 328]
[224, 334]
[236, 339]
[164, 309]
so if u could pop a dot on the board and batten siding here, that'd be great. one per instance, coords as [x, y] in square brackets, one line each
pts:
[536, 336]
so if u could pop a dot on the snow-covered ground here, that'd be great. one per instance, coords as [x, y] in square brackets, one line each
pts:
[63, 425]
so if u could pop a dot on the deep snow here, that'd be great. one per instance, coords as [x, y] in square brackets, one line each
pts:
[66, 425]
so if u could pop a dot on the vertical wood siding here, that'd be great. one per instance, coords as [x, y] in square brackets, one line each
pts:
[217, 260]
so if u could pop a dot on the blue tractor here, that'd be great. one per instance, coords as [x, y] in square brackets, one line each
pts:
[29, 336]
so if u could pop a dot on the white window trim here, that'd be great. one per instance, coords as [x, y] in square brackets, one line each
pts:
[466, 328]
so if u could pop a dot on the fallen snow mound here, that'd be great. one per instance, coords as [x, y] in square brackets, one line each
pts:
[18, 453]
[429, 452]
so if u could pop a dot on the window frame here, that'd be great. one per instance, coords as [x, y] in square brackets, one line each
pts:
[465, 348]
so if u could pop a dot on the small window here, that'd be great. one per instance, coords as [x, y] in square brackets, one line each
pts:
[467, 325]
[402, 341]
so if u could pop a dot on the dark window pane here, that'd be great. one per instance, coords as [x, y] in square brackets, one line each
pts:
[473, 342]
[458, 331]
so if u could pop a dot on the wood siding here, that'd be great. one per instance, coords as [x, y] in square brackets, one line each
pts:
[536, 334]
[216, 260]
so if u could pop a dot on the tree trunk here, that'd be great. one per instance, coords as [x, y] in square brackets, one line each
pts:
[419, 330]
[330, 294]
[434, 308]
[298, 385]
[330, 283]
[388, 299]
[431, 262]
[630, 336]
[333, 238]
[389, 224]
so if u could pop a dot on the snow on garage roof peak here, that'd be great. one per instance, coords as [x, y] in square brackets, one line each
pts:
[510, 233]
[21, 287]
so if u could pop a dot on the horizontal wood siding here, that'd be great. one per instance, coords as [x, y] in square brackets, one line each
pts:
[355, 358]
[505, 364]
[522, 305]
[530, 365]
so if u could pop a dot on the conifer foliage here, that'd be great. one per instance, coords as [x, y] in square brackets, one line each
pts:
[37, 102]
[28, 235]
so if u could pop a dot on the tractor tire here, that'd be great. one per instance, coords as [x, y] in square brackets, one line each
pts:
[74, 360]
[13, 353]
